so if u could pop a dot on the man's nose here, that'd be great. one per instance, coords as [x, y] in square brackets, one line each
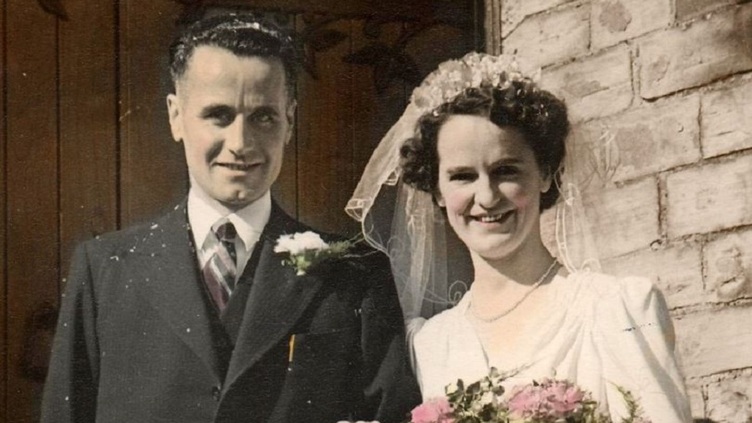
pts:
[239, 139]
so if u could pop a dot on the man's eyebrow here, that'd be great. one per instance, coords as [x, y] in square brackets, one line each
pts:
[214, 109]
[266, 110]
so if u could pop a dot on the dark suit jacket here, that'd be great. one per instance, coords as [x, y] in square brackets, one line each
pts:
[137, 339]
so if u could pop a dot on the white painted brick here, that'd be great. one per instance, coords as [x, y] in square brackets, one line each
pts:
[728, 263]
[710, 198]
[675, 270]
[624, 219]
[551, 37]
[614, 21]
[730, 401]
[696, 400]
[681, 58]
[727, 120]
[691, 8]
[515, 11]
[647, 140]
[594, 86]
[713, 342]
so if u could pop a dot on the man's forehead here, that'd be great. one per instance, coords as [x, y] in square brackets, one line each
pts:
[216, 65]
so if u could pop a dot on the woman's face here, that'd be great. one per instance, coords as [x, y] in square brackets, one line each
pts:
[490, 185]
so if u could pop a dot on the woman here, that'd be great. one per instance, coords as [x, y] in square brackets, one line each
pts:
[481, 147]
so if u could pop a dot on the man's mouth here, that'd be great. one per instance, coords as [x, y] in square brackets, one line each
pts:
[240, 167]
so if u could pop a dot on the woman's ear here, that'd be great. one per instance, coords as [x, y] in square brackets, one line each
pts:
[439, 199]
[547, 179]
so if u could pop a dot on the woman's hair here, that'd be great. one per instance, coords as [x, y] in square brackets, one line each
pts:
[539, 116]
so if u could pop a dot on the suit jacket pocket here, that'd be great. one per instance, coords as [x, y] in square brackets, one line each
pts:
[324, 373]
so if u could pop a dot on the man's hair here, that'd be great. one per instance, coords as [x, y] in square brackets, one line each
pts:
[243, 34]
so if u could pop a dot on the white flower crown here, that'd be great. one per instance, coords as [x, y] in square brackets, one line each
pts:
[474, 70]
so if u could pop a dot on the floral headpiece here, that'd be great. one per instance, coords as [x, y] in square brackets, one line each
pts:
[474, 70]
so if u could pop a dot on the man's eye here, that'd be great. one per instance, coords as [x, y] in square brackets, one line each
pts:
[221, 118]
[264, 118]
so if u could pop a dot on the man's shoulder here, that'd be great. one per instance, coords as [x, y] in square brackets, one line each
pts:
[136, 234]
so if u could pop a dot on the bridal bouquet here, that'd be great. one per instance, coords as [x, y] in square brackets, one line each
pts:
[547, 401]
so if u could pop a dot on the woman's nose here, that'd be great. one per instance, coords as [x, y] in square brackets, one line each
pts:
[487, 193]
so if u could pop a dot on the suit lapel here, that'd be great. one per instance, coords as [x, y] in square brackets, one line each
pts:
[276, 301]
[168, 260]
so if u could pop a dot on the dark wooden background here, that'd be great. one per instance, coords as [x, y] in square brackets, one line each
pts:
[86, 146]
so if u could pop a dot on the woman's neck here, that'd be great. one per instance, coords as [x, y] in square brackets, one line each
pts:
[524, 267]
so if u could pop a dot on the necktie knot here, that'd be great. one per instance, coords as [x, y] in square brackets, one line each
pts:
[226, 232]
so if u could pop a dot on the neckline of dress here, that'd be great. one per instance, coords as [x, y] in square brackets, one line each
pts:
[556, 284]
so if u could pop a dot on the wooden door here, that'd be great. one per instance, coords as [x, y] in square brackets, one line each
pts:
[86, 146]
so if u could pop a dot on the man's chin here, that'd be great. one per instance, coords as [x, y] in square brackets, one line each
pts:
[240, 199]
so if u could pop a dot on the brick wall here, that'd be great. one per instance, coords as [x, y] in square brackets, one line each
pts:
[660, 93]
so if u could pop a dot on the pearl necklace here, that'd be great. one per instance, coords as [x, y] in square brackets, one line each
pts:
[543, 278]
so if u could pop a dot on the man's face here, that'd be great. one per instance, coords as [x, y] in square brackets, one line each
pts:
[234, 117]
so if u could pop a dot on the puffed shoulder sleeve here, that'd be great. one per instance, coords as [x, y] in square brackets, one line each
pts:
[636, 343]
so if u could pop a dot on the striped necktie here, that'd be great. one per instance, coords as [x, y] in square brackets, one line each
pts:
[221, 269]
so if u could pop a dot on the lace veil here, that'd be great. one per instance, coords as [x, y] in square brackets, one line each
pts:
[431, 267]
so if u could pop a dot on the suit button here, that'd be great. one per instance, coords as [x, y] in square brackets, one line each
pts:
[216, 392]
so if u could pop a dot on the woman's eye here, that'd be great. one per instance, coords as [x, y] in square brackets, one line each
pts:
[462, 177]
[506, 171]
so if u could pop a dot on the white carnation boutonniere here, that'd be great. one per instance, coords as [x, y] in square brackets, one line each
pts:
[306, 249]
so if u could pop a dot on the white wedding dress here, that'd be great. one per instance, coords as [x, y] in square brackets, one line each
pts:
[599, 332]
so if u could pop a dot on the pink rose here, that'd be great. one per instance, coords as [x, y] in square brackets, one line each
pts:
[550, 400]
[435, 410]
[563, 397]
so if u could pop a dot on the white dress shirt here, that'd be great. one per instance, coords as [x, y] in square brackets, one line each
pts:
[249, 222]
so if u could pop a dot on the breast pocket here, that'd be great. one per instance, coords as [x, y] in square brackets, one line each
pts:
[324, 372]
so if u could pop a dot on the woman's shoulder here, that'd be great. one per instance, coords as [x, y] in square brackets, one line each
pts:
[443, 324]
[622, 301]
[603, 286]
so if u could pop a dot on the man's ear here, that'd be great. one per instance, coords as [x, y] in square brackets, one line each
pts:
[290, 114]
[176, 123]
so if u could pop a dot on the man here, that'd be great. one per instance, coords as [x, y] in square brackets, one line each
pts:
[194, 317]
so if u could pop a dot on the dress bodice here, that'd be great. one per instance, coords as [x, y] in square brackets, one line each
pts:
[600, 332]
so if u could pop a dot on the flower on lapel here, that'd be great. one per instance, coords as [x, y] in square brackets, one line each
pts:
[306, 249]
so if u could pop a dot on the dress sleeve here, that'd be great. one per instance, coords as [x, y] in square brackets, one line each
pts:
[413, 325]
[636, 342]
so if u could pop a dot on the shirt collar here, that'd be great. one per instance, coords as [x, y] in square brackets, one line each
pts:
[249, 222]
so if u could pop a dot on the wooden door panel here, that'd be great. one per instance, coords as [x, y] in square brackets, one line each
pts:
[4, 409]
[88, 124]
[153, 176]
[32, 193]
[324, 138]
